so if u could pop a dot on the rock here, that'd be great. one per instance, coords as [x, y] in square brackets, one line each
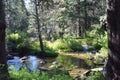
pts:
[93, 52]
[23, 59]
[42, 61]
[85, 47]
[9, 57]
[55, 62]
[91, 57]
[53, 66]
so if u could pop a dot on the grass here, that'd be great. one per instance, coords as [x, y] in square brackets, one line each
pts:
[67, 45]
[94, 76]
[39, 75]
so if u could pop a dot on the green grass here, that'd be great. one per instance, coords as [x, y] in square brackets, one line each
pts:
[67, 45]
[94, 76]
[51, 75]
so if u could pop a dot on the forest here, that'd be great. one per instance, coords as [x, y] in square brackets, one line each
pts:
[59, 39]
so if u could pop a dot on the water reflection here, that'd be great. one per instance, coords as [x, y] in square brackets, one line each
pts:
[67, 62]
[16, 63]
[32, 64]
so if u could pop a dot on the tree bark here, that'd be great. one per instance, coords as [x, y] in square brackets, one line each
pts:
[3, 65]
[85, 18]
[39, 28]
[113, 20]
[81, 32]
[80, 28]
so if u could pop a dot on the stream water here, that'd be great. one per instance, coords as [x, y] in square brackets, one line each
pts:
[16, 63]
[72, 64]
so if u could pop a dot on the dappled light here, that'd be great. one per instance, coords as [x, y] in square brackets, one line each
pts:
[59, 40]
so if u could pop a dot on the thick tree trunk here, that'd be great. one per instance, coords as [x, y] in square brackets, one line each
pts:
[3, 65]
[113, 19]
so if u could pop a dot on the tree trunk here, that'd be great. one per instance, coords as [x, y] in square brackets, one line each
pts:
[85, 18]
[39, 28]
[113, 19]
[80, 28]
[3, 65]
[81, 32]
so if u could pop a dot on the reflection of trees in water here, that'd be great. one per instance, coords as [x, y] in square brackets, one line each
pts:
[67, 61]
[80, 63]
[64, 60]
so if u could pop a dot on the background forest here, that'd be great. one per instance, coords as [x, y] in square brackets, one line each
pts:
[30, 22]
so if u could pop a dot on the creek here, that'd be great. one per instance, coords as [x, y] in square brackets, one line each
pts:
[75, 66]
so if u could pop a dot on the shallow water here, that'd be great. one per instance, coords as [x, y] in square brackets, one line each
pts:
[74, 65]
[32, 63]
[16, 64]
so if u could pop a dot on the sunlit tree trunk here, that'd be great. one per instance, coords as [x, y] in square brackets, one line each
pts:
[113, 19]
[3, 65]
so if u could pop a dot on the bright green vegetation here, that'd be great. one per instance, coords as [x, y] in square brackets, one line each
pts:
[67, 45]
[22, 44]
[95, 76]
[45, 28]
[55, 74]
[96, 38]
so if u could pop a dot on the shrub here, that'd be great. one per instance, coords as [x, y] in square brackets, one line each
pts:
[15, 41]
[97, 37]
[104, 51]
[50, 52]
[14, 38]
[24, 46]
[67, 45]
[97, 46]
[60, 45]
[75, 45]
